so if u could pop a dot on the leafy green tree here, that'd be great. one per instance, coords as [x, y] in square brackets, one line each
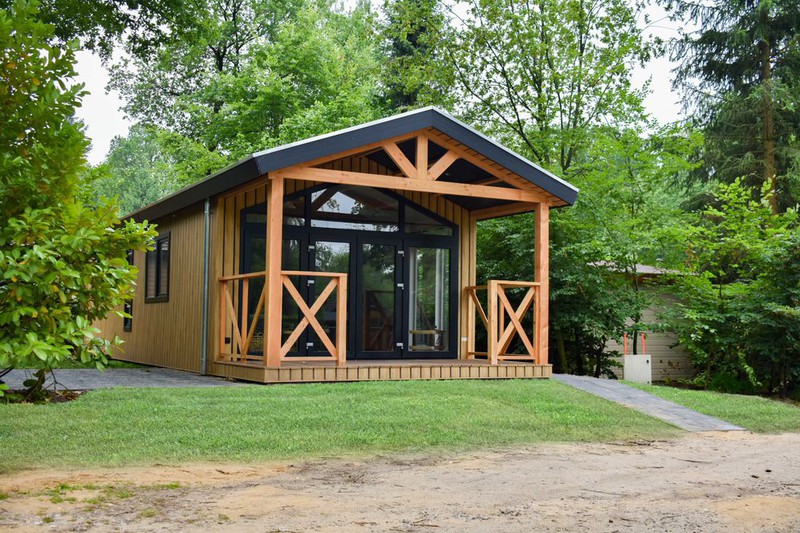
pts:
[62, 264]
[731, 291]
[542, 74]
[101, 24]
[413, 70]
[772, 319]
[553, 80]
[740, 70]
[133, 171]
[247, 67]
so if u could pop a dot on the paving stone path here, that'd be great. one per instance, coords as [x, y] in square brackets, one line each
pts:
[669, 412]
[87, 379]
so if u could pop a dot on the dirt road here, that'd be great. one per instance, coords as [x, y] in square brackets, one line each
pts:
[703, 482]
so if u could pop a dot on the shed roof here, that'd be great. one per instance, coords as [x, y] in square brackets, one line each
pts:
[330, 144]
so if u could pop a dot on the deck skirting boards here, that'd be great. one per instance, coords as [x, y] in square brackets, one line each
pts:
[380, 371]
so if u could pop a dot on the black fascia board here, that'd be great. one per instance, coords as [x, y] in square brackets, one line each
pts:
[502, 156]
[261, 163]
[229, 177]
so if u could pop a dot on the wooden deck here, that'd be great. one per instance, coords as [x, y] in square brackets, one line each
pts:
[385, 370]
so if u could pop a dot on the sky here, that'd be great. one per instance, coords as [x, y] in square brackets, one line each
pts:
[104, 119]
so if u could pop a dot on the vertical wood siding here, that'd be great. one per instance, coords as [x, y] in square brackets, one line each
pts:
[168, 333]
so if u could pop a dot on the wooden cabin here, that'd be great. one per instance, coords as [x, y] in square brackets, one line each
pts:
[348, 256]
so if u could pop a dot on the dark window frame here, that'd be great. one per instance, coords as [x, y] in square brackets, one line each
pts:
[161, 294]
[127, 307]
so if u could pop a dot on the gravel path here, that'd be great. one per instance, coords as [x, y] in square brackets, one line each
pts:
[669, 412]
[87, 379]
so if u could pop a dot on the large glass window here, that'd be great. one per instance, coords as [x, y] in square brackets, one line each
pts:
[157, 271]
[354, 208]
[419, 223]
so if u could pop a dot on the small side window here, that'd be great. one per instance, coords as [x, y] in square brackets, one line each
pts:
[127, 322]
[157, 271]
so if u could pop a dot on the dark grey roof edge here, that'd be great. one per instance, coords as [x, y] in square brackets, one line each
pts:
[299, 152]
[505, 157]
[233, 175]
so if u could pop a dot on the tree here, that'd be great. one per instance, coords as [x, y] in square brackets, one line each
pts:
[101, 24]
[552, 80]
[740, 70]
[542, 74]
[413, 68]
[772, 322]
[247, 67]
[62, 264]
[148, 164]
[736, 303]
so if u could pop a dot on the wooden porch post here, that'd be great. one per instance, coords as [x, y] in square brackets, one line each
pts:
[542, 275]
[273, 301]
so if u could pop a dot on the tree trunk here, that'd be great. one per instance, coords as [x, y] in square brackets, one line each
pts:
[768, 135]
[562, 353]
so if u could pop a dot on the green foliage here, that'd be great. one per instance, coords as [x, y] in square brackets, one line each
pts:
[101, 24]
[148, 164]
[62, 264]
[738, 297]
[740, 69]
[37, 134]
[543, 74]
[232, 79]
[413, 71]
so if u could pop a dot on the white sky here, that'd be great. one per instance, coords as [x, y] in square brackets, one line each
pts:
[104, 120]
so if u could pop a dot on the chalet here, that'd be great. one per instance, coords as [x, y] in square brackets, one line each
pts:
[348, 256]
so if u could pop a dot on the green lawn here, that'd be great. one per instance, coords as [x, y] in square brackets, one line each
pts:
[146, 426]
[752, 412]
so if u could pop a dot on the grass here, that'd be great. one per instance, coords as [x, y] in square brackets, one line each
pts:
[144, 426]
[755, 413]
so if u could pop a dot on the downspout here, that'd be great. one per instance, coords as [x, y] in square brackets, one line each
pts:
[206, 255]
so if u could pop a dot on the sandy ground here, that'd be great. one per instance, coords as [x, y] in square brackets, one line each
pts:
[702, 482]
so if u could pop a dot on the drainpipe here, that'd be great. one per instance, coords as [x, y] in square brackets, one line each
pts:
[206, 255]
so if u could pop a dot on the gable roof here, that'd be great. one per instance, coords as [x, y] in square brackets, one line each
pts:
[261, 163]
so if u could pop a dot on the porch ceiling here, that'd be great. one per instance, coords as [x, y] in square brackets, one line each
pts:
[447, 131]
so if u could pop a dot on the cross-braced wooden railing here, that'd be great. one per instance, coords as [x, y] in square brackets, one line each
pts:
[500, 334]
[236, 334]
[239, 339]
[338, 282]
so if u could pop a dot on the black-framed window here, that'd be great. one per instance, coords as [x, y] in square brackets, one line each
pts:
[127, 307]
[156, 286]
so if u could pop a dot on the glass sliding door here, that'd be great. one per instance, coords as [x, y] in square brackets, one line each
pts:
[329, 256]
[429, 300]
[378, 306]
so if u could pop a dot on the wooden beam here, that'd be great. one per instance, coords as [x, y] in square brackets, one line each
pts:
[363, 150]
[400, 159]
[404, 184]
[422, 157]
[542, 276]
[503, 210]
[273, 285]
[443, 163]
[501, 173]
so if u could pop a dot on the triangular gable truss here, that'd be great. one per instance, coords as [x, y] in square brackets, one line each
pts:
[423, 175]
